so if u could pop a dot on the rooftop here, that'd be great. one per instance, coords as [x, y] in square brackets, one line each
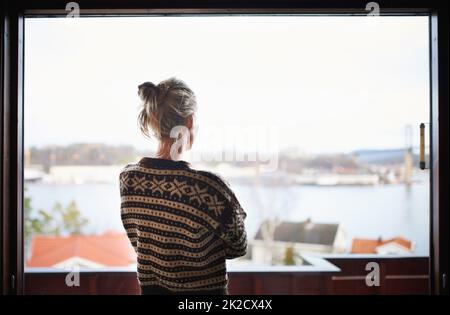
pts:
[111, 249]
[371, 246]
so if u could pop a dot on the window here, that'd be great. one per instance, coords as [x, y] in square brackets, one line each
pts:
[314, 120]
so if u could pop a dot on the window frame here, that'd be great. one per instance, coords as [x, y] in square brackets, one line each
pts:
[11, 93]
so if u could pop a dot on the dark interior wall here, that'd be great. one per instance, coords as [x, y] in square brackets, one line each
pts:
[397, 276]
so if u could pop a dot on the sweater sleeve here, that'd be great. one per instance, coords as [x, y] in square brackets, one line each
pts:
[232, 228]
[130, 225]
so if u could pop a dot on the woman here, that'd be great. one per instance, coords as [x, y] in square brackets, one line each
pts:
[183, 223]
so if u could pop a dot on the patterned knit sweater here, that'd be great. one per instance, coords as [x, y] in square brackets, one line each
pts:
[183, 224]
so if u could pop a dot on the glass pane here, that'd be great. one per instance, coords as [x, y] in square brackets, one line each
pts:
[314, 121]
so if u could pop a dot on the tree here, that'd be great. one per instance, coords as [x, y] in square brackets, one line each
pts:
[72, 221]
[29, 223]
[273, 204]
[289, 256]
[58, 221]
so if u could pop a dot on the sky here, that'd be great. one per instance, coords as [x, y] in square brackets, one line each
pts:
[316, 84]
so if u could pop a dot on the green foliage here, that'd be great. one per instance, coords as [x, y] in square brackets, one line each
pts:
[29, 223]
[72, 221]
[58, 221]
[289, 256]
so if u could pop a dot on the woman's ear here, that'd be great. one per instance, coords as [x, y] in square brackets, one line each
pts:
[190, 122]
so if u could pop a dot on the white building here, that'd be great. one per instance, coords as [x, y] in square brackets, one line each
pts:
[305, 238]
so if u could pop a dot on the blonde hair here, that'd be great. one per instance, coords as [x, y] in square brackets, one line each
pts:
[165, 106]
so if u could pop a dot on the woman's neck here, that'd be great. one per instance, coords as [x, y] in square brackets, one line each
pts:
[164, 150]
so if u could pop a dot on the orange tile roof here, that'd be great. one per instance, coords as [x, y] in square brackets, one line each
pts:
[369, 246]
[111, 249]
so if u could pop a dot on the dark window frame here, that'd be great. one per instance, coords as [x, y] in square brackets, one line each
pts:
[11, 95]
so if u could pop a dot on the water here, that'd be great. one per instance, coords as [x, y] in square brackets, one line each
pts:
[364, 211]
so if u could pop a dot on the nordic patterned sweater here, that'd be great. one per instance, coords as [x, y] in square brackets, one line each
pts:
[183, 224]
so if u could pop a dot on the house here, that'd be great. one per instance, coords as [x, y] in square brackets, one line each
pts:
[111, 249]
[393, 246]
[305, 237]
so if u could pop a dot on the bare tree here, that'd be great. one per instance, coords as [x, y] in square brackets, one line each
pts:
[275, 197]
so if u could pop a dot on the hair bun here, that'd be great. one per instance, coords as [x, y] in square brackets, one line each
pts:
[148, 92]
[146, 89]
